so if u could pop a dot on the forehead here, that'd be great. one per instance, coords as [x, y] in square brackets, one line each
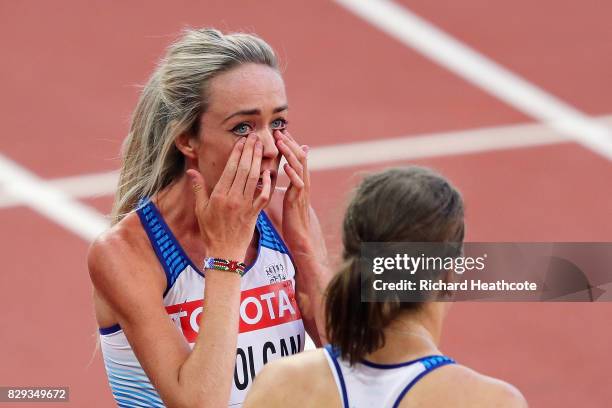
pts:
[249, 86]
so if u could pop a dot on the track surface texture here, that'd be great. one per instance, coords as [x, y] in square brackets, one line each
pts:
[70, 76]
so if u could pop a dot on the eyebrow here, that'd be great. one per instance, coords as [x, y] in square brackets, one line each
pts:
[254, 112]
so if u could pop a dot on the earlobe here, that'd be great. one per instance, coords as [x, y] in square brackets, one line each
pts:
[187, 145]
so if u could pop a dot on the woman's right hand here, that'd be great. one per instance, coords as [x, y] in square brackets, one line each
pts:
[227, 217]
[123, 277]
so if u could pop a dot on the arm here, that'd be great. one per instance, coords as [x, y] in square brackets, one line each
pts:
[311, 261]
[304, 378]
[311, 271]
[183, 377]
[269, 389]
[302, 231]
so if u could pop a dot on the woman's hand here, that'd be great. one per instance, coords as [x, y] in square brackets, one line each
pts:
[202, 375]
[302, 232]
[227, 217]
[297, 226]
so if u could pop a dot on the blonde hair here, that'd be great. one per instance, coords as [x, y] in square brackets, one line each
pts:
[171, 103]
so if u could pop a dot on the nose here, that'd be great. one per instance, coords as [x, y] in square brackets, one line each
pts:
[270, 151]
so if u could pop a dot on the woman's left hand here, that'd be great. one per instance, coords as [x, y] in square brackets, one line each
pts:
[303, 235]
[297, 228]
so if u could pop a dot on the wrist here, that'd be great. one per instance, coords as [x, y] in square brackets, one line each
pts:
[224, 265]
[301, 245]
[309, 253]
[231, 255]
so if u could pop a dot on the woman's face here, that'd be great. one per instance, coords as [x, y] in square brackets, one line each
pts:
[249, 99]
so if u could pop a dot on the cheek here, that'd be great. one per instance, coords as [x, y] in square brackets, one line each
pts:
[214, 156]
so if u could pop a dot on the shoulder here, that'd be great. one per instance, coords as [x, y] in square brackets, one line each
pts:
[467, 388]
[120, 255]
[495, 392]
[501, 393]
[303, 375]
[116, 243]
[293, 368]
[299, 363]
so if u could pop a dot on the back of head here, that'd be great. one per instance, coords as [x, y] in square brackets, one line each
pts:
[409, 204]
[171, 103]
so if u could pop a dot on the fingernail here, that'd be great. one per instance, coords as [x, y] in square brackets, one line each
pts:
[305, 148]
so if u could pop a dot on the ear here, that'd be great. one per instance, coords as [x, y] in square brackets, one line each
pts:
[187, 144]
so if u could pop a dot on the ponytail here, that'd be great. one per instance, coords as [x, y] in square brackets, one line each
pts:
[356, 328]
[411, 204]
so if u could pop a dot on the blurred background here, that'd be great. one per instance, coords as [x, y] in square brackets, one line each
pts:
[508, 99]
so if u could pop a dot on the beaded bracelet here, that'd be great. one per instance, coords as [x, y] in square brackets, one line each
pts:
[225, 265]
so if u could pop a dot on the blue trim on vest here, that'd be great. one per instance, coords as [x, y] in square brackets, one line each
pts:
[431, 363]
[259, 242]
[169, 252]
[110, 330]
[334, 356]
[268, 236]
[398, 365]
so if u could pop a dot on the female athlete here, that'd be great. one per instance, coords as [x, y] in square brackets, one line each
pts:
[385, 354]
[194, 287]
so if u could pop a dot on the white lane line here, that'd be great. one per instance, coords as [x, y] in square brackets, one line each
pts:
[81, 186]
[417, 33]
[54, 204]
[425, 146]
[355, 154]
[343, 155]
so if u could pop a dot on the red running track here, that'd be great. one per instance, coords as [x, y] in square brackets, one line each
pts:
[68, 76]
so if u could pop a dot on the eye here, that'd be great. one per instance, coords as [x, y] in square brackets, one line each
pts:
[242, 129]
[279, 123]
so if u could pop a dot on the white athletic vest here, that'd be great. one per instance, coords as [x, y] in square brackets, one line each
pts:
[270, 321]
[368, 384]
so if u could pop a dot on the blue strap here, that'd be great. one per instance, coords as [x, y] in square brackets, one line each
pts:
[334, 357]
[109, 330]
[269, 237]
[431, 363]
[169, 252]
[172, 256]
